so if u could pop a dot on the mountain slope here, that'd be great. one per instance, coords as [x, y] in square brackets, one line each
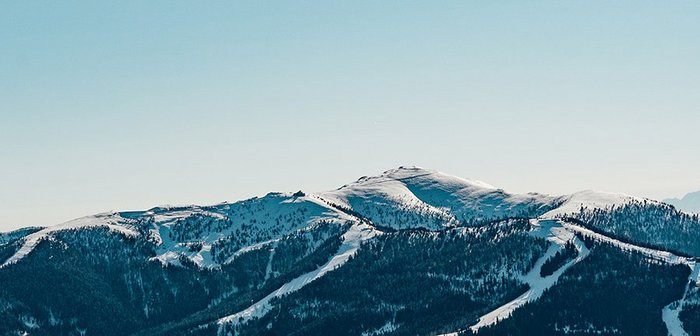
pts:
[410, 251]
[409, 197]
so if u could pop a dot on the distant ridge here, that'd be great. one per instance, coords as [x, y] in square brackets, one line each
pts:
[690, 202]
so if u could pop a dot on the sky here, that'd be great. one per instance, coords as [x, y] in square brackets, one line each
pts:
[133, 104]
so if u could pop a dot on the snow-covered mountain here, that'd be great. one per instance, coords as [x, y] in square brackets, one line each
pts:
[415, 197]
[690, 202]
[409, 251]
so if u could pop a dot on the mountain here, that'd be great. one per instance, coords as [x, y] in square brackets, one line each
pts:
[410, 251]
[689, 202]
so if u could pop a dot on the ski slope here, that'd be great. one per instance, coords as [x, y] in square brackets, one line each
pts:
[402, 198]
[559, 233]
[537, 284]
[352, 240]
[671, 312]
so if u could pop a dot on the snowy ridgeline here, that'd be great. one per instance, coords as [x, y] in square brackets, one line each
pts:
[403, 198]
[242, 260]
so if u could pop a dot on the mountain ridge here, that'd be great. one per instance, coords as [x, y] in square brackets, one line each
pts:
[395, 191]
[690, 202]
[490, 253]
[396, 174]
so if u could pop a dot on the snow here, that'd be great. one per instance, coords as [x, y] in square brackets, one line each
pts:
[53, 319]
[592, 200]
[111, 221]
[268, 268]
[253, 247]
[670, 313]
[17, 234]
[388, 327]
[423, 198]
[424, 195]
[180, 214]
[372, 195]
[466, 198]
[29, 322]
[419, 197]
[559, 233]
[556, 234]
[413, 172]
[670, 317]
[259, 213]
[202, 258]
[352, 240]
[658, 255]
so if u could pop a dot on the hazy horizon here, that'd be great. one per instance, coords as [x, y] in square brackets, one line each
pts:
[138, 104]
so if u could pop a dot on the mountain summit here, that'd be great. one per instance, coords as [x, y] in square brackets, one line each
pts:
[409, 251]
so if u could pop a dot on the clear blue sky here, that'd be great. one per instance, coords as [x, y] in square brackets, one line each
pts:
[139, 103]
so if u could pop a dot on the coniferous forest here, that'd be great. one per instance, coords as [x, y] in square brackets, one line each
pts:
[360, 261]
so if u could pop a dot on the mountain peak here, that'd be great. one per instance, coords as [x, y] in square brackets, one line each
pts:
[410, 172]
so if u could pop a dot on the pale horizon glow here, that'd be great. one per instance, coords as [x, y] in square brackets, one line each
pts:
[130, 105]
